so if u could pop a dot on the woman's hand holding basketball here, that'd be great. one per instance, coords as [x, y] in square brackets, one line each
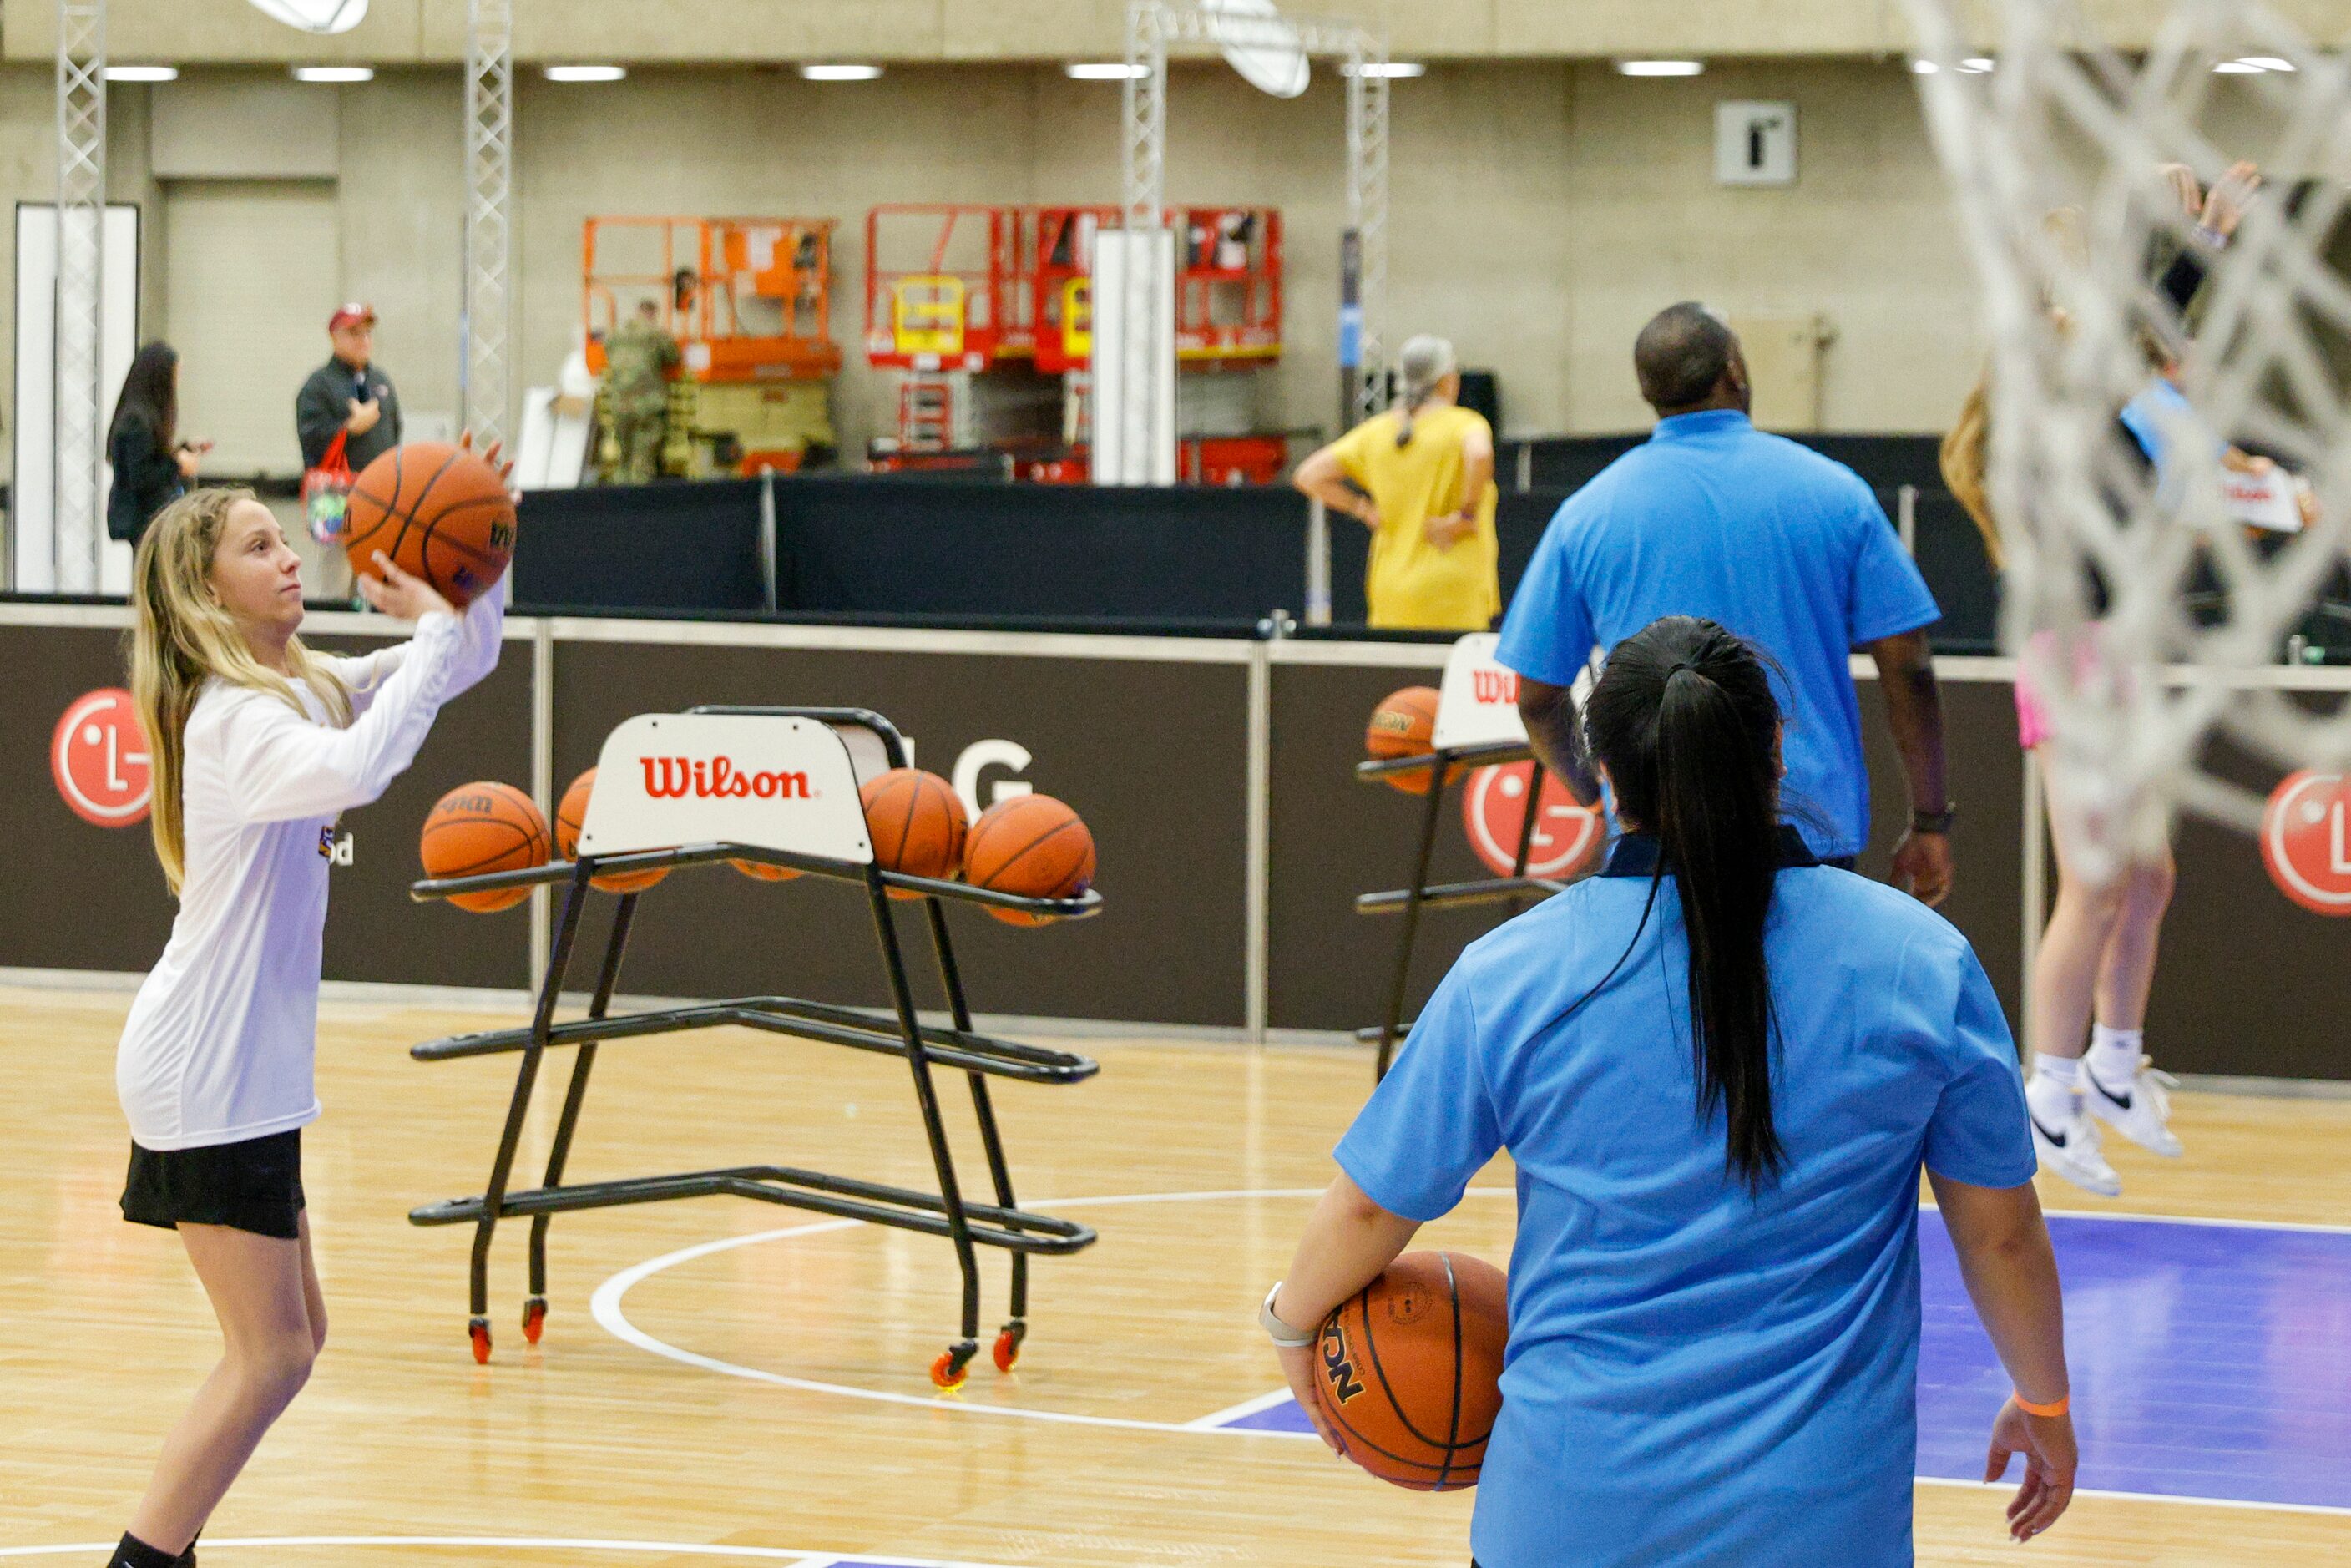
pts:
[1298, 1364]
[401, 594]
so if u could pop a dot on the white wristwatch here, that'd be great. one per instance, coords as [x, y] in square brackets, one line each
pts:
[1281, 1332]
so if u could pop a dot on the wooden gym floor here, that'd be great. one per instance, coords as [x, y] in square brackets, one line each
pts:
[768, 1402]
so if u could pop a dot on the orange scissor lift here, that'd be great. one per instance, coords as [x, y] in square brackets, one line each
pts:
[749, 301]
[997, 319]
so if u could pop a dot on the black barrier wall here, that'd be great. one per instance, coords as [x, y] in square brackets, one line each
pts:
[1150, 739]
[1152, 752]
[91, 897]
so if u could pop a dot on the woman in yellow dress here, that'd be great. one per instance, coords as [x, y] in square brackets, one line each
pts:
[1421, 477]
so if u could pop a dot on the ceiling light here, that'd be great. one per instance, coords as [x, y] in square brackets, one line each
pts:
[585, 73]
[334, 73]
[1659, 67]
[2237, 68]
[1393, 70]
[840, 73]
[1976, 65]
[1924, 67]
[2267, 63]
[1105, 70]
[142, 73]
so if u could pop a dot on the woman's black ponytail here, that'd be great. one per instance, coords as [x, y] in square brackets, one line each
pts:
[1686, 724]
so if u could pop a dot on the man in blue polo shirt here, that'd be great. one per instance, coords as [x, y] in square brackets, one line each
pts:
[1788, 548]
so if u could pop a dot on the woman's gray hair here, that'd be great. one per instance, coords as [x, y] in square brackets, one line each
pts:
[1423, 361]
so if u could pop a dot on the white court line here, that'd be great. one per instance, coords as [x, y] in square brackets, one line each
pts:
[800, 1557]
[606, 1306]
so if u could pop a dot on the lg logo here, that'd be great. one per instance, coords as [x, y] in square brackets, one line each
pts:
[98, 758]
[985, 762]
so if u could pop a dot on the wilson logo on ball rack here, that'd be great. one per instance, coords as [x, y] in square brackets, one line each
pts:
[674, 777]
[1495, 685]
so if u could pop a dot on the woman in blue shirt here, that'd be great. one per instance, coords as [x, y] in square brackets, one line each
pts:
[1718, 1068]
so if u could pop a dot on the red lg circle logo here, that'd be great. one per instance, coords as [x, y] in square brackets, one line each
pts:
[1494, 813]
[2306, 840]
[98, 758]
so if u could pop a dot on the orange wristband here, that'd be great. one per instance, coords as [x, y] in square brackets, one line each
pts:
[2064, 1404]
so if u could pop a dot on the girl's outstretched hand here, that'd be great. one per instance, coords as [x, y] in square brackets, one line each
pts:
[401, 594]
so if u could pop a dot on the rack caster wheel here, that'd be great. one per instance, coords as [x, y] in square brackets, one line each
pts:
[953, 1368]
[1008, 1344]
[534, 1318]
[478, 1331]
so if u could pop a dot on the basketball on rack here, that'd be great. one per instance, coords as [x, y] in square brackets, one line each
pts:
[438, 511]
[762, 871]
[1405, 725]
[916, 822]
[1031, 845]
[1411, 1369]
[571, 815]
[480, 827]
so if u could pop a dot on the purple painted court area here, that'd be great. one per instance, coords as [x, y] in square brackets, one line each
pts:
[2208, 1360]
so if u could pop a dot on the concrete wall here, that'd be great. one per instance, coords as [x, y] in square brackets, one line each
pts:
[432, 31]
[1541, 209]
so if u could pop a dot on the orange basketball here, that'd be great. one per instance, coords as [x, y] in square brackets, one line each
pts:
[1405, 725]
[478, 828]
[763, 871]
[438, 511]
[1411, 1369]
[1031, 845]
[570, 812]
[916, 822]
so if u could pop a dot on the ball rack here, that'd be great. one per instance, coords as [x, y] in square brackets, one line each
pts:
[1443, 763]
[899, 1033]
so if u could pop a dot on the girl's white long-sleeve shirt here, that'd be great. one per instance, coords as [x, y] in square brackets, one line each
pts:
[220, 1042]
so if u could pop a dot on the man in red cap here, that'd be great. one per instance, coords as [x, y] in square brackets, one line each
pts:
[350, 394]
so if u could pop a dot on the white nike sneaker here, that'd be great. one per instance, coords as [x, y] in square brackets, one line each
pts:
[2071, 1151]
[2141, 1113]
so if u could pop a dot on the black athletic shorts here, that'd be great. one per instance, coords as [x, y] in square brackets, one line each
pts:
[253, 1186]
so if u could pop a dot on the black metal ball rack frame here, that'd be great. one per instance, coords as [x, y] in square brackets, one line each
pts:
[1410, 901]
[947, 1212]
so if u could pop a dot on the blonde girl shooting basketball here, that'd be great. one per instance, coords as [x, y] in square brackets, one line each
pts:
[1718, 1067]
[258, 743]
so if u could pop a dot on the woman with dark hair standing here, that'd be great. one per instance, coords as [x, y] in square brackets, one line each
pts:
[152, 466]
[1718, 1067]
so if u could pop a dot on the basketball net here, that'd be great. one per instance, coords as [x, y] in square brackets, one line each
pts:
[2055, 147]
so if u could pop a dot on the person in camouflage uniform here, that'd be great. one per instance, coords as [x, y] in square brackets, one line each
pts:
[637, 362]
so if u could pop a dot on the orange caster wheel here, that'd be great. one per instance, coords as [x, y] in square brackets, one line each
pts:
[953, 1368]
[1008, 1346]
[478, 1331]
[534, 1318]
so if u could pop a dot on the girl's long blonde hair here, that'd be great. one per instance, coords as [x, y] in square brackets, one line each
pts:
[1965, 461]
[181, 637]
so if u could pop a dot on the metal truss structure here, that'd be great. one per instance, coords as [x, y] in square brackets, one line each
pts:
[1151, 27]
[484, 375]
[81, 291]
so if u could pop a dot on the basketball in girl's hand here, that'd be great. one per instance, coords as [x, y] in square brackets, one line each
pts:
[1031, 845]
[1405, 725]
[570, 814]
[439, 512]
[1410, 1369]
[479, 828]
[916, 822]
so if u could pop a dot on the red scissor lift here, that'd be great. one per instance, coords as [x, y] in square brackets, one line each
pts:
[1005, 292]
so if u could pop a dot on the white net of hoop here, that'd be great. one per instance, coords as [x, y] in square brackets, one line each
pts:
[2143, 612]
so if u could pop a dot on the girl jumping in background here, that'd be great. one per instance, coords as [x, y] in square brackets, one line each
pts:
[258, 745]
[2095, 965]
[1718, 1067]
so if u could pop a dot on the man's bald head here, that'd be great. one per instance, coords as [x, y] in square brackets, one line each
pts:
[1687, 359]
